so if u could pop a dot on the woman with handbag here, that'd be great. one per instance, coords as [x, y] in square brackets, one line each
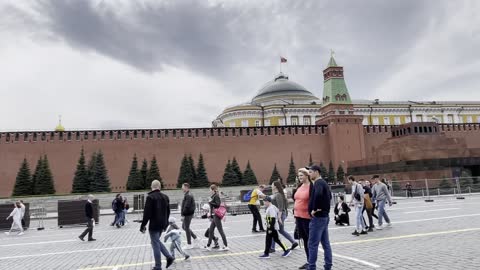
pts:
[217, 213]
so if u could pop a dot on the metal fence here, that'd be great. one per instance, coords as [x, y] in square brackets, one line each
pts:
[458, 186]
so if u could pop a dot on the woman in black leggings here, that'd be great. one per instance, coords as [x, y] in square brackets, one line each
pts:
[216, 222]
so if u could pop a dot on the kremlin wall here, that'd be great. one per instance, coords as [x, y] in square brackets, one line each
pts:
[413, 150]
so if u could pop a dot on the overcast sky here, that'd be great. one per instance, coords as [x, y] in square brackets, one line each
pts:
[163, 64]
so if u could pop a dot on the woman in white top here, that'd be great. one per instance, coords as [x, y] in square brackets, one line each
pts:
[17, 215]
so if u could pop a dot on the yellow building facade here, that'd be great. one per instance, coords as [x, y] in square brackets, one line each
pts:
[282, 102]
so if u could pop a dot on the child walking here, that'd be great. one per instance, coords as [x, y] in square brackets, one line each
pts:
[173, 232]
[17, 216]
[271, 217]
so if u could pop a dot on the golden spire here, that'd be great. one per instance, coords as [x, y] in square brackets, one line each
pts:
[59, 128]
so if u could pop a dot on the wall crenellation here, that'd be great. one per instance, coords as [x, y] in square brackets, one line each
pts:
[147, 134]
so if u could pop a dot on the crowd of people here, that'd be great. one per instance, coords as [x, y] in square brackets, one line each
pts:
[312, 199]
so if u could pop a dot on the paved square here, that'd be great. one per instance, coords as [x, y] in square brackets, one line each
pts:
[444, 234]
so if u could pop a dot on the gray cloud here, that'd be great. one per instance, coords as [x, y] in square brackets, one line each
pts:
[237, 43]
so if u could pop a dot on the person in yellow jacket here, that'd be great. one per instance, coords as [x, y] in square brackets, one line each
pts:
[252, 205]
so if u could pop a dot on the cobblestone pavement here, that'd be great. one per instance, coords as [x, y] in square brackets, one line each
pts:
[443, 234]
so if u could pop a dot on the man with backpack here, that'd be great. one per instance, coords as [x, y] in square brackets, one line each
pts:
[252, 198]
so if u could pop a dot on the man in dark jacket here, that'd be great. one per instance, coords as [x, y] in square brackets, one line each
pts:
[90, 220]
[188, 210]
[156, 213]
[319, 208]
[119, 206]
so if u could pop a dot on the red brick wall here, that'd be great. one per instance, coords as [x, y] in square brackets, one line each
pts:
[262, 151]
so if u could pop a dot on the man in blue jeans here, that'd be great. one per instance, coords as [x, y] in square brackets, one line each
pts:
[319, 208]
[156, 213]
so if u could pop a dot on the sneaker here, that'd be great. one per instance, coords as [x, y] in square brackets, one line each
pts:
[224, 249]
[294, 246]
[355, 233]
[217, 246]
[207, 248]
[364, 232]
[264, 256]
[389, 224]
[92, 239]
[170, 261]
[305, 266]
[21, 233]
[379, 227]
[254, 231]
[81, 238]
[187, 247]
[187, 257]
[272, 250]
[370, 230]
[287, 253]
[262, 230]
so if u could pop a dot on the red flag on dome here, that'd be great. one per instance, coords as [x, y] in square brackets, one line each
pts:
[283, 59]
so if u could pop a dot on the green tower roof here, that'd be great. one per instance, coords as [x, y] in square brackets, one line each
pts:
[332, 62]
[334, 88]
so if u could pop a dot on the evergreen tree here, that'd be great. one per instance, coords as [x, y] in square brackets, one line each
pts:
[48, 182]
[249, 177]
[230, 178]
[202, 178]
[153, 174]
[340, 173]
[37, 175]
[465, 180]
[101, 181]
[323, 171]
[144, 173]
[237, 171]
[193, 173]
[275, 175]
[80, 180]
[135, 180]
[43, 178]
[91, 171]
[292, 172]
[183, 174]
[445, 184]
[23, 182]
[310, 161]
[331, 173]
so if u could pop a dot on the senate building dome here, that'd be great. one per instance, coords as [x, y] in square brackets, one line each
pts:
[282, 88]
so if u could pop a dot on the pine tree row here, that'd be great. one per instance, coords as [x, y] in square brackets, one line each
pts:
[196, 177]
[141, 179]
[92, 177]
[40, 183]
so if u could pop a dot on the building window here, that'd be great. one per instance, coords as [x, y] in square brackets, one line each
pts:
[419, 118]
[397, 120]
[365, 120]
[450, 119]
[244, 123]
[460, 119]
[408, 119]
[375, 120]
[317, 117]
[267, 122]
[281, 122]
[232, 124]
[257, 123]
[478, 119]
[307, 120]
[386, 120]
[294, 120]
[469, 119]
